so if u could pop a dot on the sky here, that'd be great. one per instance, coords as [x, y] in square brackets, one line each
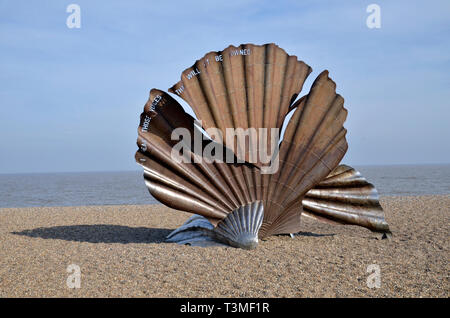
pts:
[70, 98]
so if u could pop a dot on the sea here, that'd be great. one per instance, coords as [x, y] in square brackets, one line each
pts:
[128, 188]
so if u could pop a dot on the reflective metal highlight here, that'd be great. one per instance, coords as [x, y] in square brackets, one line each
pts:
[253, 86]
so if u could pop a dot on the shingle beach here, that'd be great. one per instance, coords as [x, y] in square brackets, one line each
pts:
[120, 251]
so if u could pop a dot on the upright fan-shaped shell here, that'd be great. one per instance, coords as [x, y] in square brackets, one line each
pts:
[249, 86]
[243, 87]
[209, 189]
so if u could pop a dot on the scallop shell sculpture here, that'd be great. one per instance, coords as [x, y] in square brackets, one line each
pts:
[252, 88]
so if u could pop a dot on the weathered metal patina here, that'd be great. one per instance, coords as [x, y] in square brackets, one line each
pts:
[253, 87]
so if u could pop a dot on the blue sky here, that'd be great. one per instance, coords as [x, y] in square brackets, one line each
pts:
[70, 99]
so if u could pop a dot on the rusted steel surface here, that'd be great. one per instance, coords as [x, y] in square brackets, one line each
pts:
[251, 86]
[345, 197]
[248, 86]
[313, 145]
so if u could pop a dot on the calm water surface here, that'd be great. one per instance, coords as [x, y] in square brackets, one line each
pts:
[111, 188]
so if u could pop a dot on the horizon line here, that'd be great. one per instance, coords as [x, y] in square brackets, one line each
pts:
[138, 170]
